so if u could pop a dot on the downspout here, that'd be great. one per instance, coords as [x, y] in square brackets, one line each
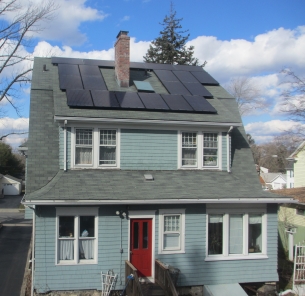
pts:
[229, 149]
[33, 249]
[65, 146]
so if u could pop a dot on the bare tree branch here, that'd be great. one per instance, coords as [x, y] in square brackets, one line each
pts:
[12, 133]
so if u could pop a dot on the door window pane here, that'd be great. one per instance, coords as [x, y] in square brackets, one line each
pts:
[255, 233]
[236, 234]
[215, 234]
[135, 235]
[145, 235]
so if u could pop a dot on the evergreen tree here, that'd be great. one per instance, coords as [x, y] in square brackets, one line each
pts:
[169, 47]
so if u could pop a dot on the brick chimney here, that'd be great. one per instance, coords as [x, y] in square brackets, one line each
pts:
[122, 61]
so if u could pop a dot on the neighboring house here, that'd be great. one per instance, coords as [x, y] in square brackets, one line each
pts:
[10, 185]
[274, 180]
[138, 162]
[290, 174]
[292, 216]
[298, 160]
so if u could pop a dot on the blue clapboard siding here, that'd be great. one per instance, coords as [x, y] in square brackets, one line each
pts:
[224, 151]
[61, 148]
[28, 213]
[149, 149]
[194, 269]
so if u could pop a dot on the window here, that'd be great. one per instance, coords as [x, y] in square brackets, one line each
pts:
[236, 235]
[95, 148]
[200, 150]
[76, 235]
[107, 147]
[171, 232]
[83, 147]
[210, 149]
[300, 212]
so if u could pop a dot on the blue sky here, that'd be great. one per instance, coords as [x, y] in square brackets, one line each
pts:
[237, 38]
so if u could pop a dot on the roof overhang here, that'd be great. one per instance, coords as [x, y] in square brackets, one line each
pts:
[159, 201]
[67, 119]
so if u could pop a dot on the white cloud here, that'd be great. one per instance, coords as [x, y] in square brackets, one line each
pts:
[125, 18]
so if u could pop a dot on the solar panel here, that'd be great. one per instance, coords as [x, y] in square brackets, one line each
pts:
[72, 61]
[197, 89]
[175, 88]
[185, 76]
[177, 103]
[204, 77]
[153, 101]
[79, 98]
[70, 82]
[94, 82]
[66, 69]
[129, 100]
[165, 75]
[102, 98]
[88, 70]
[200, 104]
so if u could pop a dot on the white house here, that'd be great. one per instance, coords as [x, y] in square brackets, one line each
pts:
[10, 185]
[274, 180]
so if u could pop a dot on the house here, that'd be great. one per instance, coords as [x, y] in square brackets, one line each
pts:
[10, 185]
[133, 162]
[297, 159]
[274, 180]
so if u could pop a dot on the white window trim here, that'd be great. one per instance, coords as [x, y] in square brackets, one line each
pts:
[144, 215]
[200, 150]
[95, 147]
[76, 212]
[162, 213]
[230, 209]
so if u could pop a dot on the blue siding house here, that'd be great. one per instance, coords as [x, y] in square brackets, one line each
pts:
[129, 163]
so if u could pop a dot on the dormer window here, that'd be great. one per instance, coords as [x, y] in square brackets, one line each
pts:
[83, 147]
[107, 147]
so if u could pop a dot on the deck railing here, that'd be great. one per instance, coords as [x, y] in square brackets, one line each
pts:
[164, 279]
[134, 287]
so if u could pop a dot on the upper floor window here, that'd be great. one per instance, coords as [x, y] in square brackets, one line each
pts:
[200, 150]
[95, 148]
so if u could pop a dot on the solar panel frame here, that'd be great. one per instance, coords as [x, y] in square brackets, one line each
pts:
[200, 104]
[104, 99]
[94, 82]
[129, 100]
[70, 82]
[204, 77]
[79, 98]
[153, 101]
[175, 88]
[197, 89]
[177, 102]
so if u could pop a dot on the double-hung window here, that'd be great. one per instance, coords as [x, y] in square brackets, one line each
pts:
[83, 146]
[189, 149]
[107, 147]
[210, 149]
[171, 232]
[76, 235]
[236, 234]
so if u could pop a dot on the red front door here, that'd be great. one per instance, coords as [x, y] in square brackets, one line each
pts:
[141, 245]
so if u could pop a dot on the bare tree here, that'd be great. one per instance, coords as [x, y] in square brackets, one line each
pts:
[247, 94]
[18, 24]
[293, 97]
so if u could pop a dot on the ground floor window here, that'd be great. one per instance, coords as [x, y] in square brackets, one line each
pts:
[76, 235]
[234, 233]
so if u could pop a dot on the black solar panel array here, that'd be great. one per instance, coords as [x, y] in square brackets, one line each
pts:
[85, 87]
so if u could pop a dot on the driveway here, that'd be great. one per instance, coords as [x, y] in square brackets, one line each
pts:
[15, 237]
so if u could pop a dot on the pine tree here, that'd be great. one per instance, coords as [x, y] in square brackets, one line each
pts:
[169, 47]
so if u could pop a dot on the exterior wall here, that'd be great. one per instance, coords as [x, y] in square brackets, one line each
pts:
[61, 148]
[149, 149]
[299, 170]
[194, 269]
[278, 183]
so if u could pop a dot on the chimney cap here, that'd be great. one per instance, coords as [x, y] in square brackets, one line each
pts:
[122, 33]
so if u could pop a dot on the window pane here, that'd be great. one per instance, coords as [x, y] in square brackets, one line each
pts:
[66, 226]
[215, 234]
[172, 240]
[189, 140]
[136, 235]
[84, 137]
[86, 227]
[236, 234]
[108, 137]
[107, 155]
[83, 155]
[172, 223]
[86, 248]
[66, 249]
[189, 156]
[255, 233]
[145, 235]
[210, 149]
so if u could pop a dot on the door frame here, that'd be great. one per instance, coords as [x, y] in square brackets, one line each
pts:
[144, 215]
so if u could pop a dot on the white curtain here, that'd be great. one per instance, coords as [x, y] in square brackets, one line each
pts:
[66, 249]
[171, 240]
[86, 248]
[83, 155]
[257, 219]
[236, 234]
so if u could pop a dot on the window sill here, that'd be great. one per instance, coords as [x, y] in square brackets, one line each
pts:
[163, 252]
[84, 262]
[238, 257]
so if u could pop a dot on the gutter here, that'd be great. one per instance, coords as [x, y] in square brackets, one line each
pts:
[159, 201]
